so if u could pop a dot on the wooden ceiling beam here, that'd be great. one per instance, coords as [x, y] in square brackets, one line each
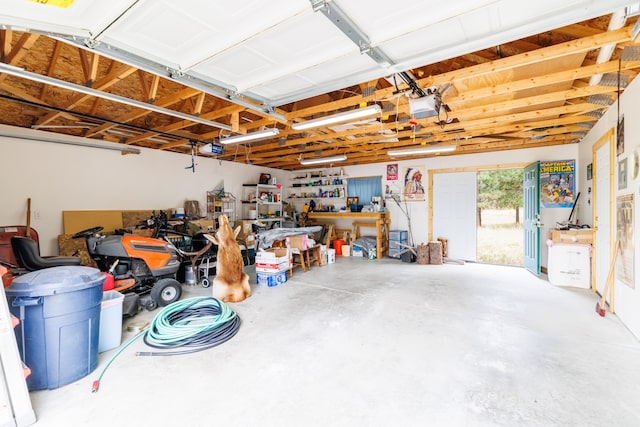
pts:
[19, 51]
[5, 43]
[57, 47]
[21, 48]
[407, 142]
[213, 115]
[107, 81]
[137, 113]
[563, 49]
[153, 92]
[545, 80]
[530, 102]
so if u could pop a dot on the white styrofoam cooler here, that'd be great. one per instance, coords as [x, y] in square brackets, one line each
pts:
[569, 265]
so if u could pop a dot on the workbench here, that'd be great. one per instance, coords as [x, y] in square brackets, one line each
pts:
[381, 221]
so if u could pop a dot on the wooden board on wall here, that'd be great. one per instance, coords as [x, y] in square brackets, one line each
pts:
[74, 221]
[133, 218]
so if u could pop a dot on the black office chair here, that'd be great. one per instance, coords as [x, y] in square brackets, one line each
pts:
[28, 256]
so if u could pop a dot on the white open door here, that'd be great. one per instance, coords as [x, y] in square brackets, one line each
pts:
[603, 208]
[454, 212]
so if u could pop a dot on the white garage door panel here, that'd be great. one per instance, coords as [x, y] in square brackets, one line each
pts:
[454, 212]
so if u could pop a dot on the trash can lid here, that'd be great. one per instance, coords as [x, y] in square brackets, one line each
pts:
[55, 280]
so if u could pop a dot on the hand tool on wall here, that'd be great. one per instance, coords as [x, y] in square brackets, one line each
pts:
[600, 306]
[28, 229]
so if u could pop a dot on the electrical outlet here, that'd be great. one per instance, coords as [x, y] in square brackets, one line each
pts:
[36, 215]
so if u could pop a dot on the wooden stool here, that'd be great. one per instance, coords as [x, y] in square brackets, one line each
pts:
[305, 258]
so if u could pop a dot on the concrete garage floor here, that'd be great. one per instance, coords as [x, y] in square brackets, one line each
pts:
[380, 343]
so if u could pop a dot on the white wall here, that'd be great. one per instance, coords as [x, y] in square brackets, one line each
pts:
[627, 299]
[63, 177]
[418, 210]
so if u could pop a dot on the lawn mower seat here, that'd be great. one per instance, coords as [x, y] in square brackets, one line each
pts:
[28, 257]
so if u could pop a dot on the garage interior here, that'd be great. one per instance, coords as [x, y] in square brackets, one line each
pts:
[139, 105]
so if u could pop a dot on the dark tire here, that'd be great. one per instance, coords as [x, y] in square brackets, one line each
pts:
[205, 282]
[150, 304]
[166, 291]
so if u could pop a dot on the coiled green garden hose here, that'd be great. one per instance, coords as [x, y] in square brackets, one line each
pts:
[197, 323]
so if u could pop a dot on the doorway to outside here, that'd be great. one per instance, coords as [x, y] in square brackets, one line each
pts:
[499, 222]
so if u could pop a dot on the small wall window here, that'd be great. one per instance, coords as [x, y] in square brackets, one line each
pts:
[365, 188]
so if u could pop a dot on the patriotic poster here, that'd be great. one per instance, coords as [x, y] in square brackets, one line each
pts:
[557, 184]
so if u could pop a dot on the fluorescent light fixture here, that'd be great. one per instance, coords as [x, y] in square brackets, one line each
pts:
[250, 136]
[41, 136]
[425, 150]
[319, 160]
[20, 72]
[340, 117]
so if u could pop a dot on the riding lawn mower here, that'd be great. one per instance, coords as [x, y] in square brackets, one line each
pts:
[143, 266]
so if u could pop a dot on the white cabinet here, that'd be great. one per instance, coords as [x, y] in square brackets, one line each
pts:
[263, 202]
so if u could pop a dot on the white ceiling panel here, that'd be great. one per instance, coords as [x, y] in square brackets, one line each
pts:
[405, 16]
[277, 54]
[82, 17]
[478, 29]
[306, 83]
[188, 32]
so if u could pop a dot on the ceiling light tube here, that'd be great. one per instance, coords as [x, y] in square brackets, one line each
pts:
[20, 72]
[250, 136]
[41, 136]
[340, 117]
[319, 160]
[425, 150]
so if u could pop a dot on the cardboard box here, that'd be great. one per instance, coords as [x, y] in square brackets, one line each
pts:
[266, 267]
[356, 251]
[248, 241]
[246, 227]
[569, 265]
[298, 242]
[273, 256]
[323, 255]
[270, 280]
[205, 224]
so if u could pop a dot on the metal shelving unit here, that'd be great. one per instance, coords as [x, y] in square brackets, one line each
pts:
[265, 200]
[219, 203]
[319, 185]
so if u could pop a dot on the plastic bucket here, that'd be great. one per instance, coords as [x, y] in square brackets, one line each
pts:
[110, 321]
[59, 313]
[109, 282]
[337, 245]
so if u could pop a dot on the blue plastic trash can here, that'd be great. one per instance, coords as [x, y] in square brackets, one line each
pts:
[59, 312]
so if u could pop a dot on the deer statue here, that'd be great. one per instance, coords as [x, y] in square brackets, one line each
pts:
[231, 283]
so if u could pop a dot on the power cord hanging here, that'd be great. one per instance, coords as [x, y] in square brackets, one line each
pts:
[193, 143]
